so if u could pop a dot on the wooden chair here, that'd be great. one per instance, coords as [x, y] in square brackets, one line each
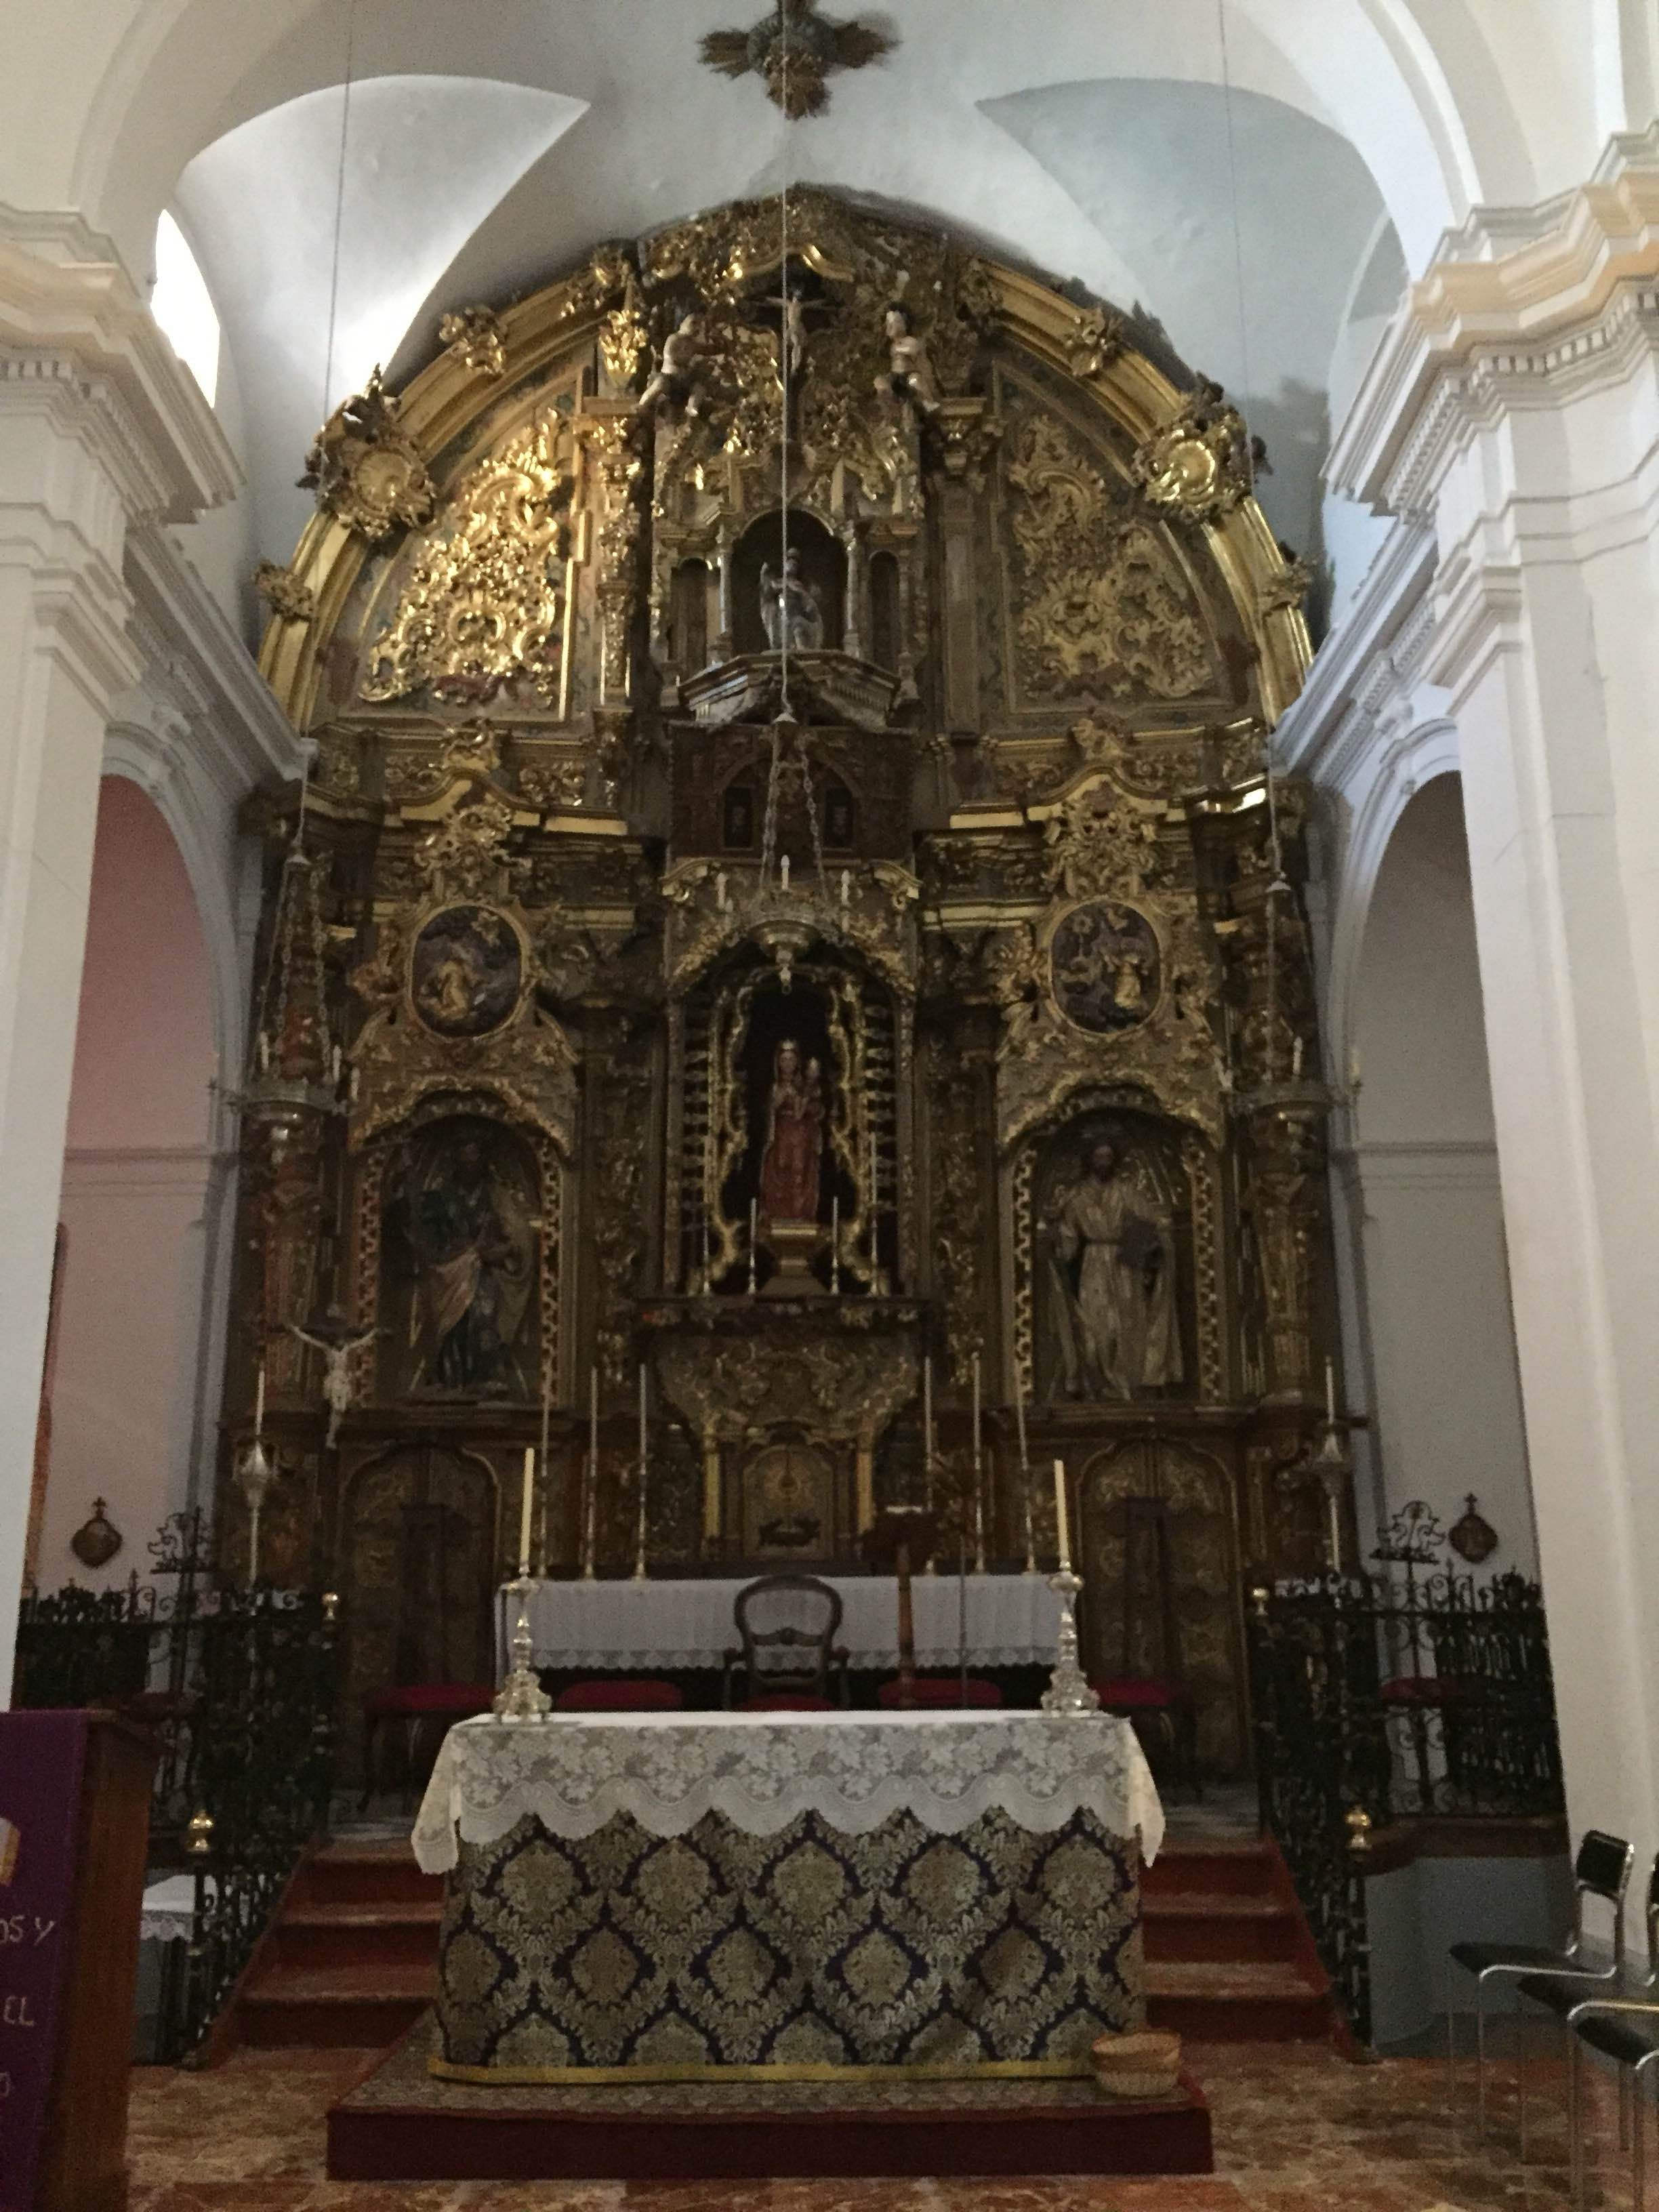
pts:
[787, 1626]
[425, 1711]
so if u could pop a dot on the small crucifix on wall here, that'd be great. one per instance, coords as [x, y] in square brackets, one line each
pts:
[794, 49]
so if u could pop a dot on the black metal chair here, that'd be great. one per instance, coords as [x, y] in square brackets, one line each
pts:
[787, 1624]
[1625, 2030]
[1601, 1870]
[1569, 1993]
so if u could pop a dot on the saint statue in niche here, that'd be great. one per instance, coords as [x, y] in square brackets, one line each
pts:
[1111, 1256]
[472, 1229]
[790, 605]
[1105, 964]
[466, 970]
[794, 1137]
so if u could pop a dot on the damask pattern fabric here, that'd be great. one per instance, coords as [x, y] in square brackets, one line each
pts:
[802, 1948]
[761, 1771]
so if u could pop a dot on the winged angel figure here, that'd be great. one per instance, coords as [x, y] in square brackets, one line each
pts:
[794, 49]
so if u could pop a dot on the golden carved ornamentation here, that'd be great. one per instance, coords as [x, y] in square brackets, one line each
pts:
[1107, 847]
[1287, 589]
[288, 599]
[793, 50]
[484, 602]
[1200, 465]
[605, 436]
[1102, 606]
[841, 1388]
[1096, 342]
[475, 337]
[366, 470]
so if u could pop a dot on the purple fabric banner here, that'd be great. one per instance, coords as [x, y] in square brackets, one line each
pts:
[42, 1755]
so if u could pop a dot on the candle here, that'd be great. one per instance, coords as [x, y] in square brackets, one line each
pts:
[835, 1241]
[1353, 1067]
[754, 1242]
[783, 871]
[259, 1403]
[846, 889]
[927, 1413]
[642, 1421]
[523, 1512]
[335, 1064]
[1019, 1415]
[1330, 1393]
[976, 1409]
[1062, 1532]
[719, 888]
[592, 1506]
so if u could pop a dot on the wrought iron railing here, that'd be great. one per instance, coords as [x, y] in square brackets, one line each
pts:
[1389, 1696]
[241, 1687]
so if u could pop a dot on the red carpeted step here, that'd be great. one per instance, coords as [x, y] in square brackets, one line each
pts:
[370, 1935]
[1239, 1867]
[372, 1872]
[333, 2008]
[1199, 1924]
[1236, 2002]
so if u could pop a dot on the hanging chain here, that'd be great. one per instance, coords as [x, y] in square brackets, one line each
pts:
[770, 832]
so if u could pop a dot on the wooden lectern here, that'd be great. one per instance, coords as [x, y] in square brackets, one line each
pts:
[79, 1788]
[899, 1535]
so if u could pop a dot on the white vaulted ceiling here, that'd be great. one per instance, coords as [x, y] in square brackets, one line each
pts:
[1154, 155]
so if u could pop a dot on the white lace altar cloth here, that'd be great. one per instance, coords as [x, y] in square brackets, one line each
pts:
[761, 1770]
[634, 1625]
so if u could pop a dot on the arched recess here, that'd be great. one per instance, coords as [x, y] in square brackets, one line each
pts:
[141, 1176]
[1430, 1305]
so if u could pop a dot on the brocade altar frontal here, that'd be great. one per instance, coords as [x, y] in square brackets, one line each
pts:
[797, 1953]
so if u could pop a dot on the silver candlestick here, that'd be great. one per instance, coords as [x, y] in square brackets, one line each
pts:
[521, 1696]
[1068, 1690]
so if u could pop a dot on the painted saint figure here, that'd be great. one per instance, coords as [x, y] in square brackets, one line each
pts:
[1112, 1255]
[795, 1137]
[475, 1249]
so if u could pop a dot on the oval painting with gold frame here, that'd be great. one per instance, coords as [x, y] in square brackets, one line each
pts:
[466, 970]
[1105, 967]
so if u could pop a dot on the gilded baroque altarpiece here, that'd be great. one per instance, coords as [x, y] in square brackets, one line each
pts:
[940, 994]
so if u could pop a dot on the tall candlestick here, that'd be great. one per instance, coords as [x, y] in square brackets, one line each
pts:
[979, 1480]
[1024, 1467]
[1062, 1528]
[639, 1548]
[529, 1493]
[591, 1503]
[259, 1402]
[547, 1473]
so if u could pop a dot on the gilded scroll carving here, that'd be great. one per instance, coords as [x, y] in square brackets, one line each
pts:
[484, 602]
[1100, 606]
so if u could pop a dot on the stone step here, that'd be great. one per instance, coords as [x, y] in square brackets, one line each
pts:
[332, 2007]
[1239, 2002]
[1214, 1926]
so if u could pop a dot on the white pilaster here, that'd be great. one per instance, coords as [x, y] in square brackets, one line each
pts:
[1516, 405]
[102, 431]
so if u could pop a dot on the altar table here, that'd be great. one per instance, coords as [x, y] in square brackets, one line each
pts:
[680, 1896]
[649, 1624]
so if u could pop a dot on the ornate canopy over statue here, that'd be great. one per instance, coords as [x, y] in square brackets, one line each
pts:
[802, 909]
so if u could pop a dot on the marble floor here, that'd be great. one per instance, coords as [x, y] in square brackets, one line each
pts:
[1297, 2129]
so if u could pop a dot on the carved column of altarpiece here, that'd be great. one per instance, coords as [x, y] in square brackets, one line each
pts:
[1010, 1068]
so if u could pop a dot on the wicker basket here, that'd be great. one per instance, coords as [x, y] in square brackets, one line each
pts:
[1147, 2065]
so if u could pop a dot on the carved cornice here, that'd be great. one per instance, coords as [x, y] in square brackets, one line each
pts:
[1523, 307]
[81, 329]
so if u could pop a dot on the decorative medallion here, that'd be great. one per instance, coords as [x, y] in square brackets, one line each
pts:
[1105, 967]
[282, 592]
[475, 337]
[1201, 464]
[364, 468]
[97, 1540]
[1473, 1538]
[794, 49]
[466, 970]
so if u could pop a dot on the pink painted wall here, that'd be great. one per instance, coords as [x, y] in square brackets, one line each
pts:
[135, 1174]
[144, 1052]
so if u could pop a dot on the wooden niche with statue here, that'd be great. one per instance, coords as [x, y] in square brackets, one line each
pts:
[788, 993]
